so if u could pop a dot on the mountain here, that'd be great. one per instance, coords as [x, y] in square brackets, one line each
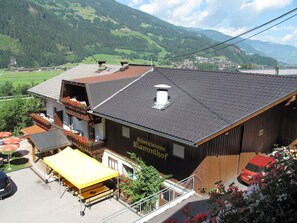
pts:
[53, 32]
[283, 53]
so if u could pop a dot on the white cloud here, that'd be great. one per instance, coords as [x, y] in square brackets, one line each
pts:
[232, 31]
[178, 12]
[231, 17]
[209, 13]
[290, 37]
[261, 5]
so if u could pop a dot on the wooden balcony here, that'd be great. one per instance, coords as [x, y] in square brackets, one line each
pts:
[41, 121]
[87, 146]
[76, 108]
[78, 113]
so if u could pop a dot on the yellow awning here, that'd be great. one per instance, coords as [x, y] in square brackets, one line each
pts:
[78, 168]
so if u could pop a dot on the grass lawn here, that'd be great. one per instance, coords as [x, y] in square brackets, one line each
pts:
[26, 77]
[2, 103]
[17, 162]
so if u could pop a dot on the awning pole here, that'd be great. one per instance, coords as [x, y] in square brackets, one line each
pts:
[118, 185]
[60, 186]
[45, 174]
[80, 201]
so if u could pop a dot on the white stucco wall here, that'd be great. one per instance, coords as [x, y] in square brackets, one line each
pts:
[79, 125]
[50, 108]
[120, 160]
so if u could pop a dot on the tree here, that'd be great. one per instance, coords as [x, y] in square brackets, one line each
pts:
[6, 89]
[148, 180]
[13, 114]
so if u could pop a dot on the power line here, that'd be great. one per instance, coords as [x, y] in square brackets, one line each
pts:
[243, 39]
[232, 38]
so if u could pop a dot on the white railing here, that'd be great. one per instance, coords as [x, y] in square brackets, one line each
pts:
[153, 203]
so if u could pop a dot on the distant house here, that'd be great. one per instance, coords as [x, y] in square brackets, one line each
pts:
[187, 122]
[71, 95]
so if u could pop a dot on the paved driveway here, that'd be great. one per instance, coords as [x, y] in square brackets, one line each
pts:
[34, 201]
[237, 182]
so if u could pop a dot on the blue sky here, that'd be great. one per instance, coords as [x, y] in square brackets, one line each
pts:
[231, 17]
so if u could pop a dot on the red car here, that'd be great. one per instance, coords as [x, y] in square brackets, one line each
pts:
[254, 167]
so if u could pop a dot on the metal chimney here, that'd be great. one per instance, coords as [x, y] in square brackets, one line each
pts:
[124, 65]
[162, 96]
[276, 69]
[102, 64]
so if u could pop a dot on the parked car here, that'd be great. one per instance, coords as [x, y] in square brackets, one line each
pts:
[255, 167]
[5, 185]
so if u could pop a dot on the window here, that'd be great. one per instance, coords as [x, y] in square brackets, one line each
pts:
[126, 132]
[168, 195]
[128, 171]
[178, 150]
[112, 163]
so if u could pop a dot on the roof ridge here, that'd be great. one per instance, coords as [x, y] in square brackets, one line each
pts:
[122, 89]
[230, 72]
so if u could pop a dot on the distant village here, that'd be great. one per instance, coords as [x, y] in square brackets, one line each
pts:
[223, 65]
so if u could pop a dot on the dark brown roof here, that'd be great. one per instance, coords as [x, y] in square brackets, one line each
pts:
[101, 87]
[53, 139]
[131, 72]
[202, 103]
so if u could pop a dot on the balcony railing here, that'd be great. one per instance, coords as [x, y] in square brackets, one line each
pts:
[147, 208]
[76, 108]
[74, 103]
[87, 146]
[41, 120]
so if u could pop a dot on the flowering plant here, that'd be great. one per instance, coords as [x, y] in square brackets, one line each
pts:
[73, 102]
[204, 217]
[78, 138]
[41, 119]
[271, 198]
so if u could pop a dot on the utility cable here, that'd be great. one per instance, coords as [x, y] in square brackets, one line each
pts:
[243, 39]
[232, 38]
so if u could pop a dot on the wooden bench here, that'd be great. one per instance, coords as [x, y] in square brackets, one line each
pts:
[70, 186]
[94, 194]
[91, 187]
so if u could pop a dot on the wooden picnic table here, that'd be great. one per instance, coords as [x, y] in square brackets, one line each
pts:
[95, 194]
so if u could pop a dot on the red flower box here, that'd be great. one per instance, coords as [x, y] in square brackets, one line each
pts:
[41, 119]
[80, 139]
[73, 102]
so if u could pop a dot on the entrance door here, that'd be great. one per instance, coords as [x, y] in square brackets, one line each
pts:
[58, 118]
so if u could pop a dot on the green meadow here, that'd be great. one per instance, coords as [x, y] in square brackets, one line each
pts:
[21, 78]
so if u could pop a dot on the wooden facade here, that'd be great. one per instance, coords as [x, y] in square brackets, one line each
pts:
[221, 158]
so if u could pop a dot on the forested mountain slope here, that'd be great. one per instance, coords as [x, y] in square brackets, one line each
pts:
[53, 32]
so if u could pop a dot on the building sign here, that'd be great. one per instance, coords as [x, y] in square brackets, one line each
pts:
[150, 147]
